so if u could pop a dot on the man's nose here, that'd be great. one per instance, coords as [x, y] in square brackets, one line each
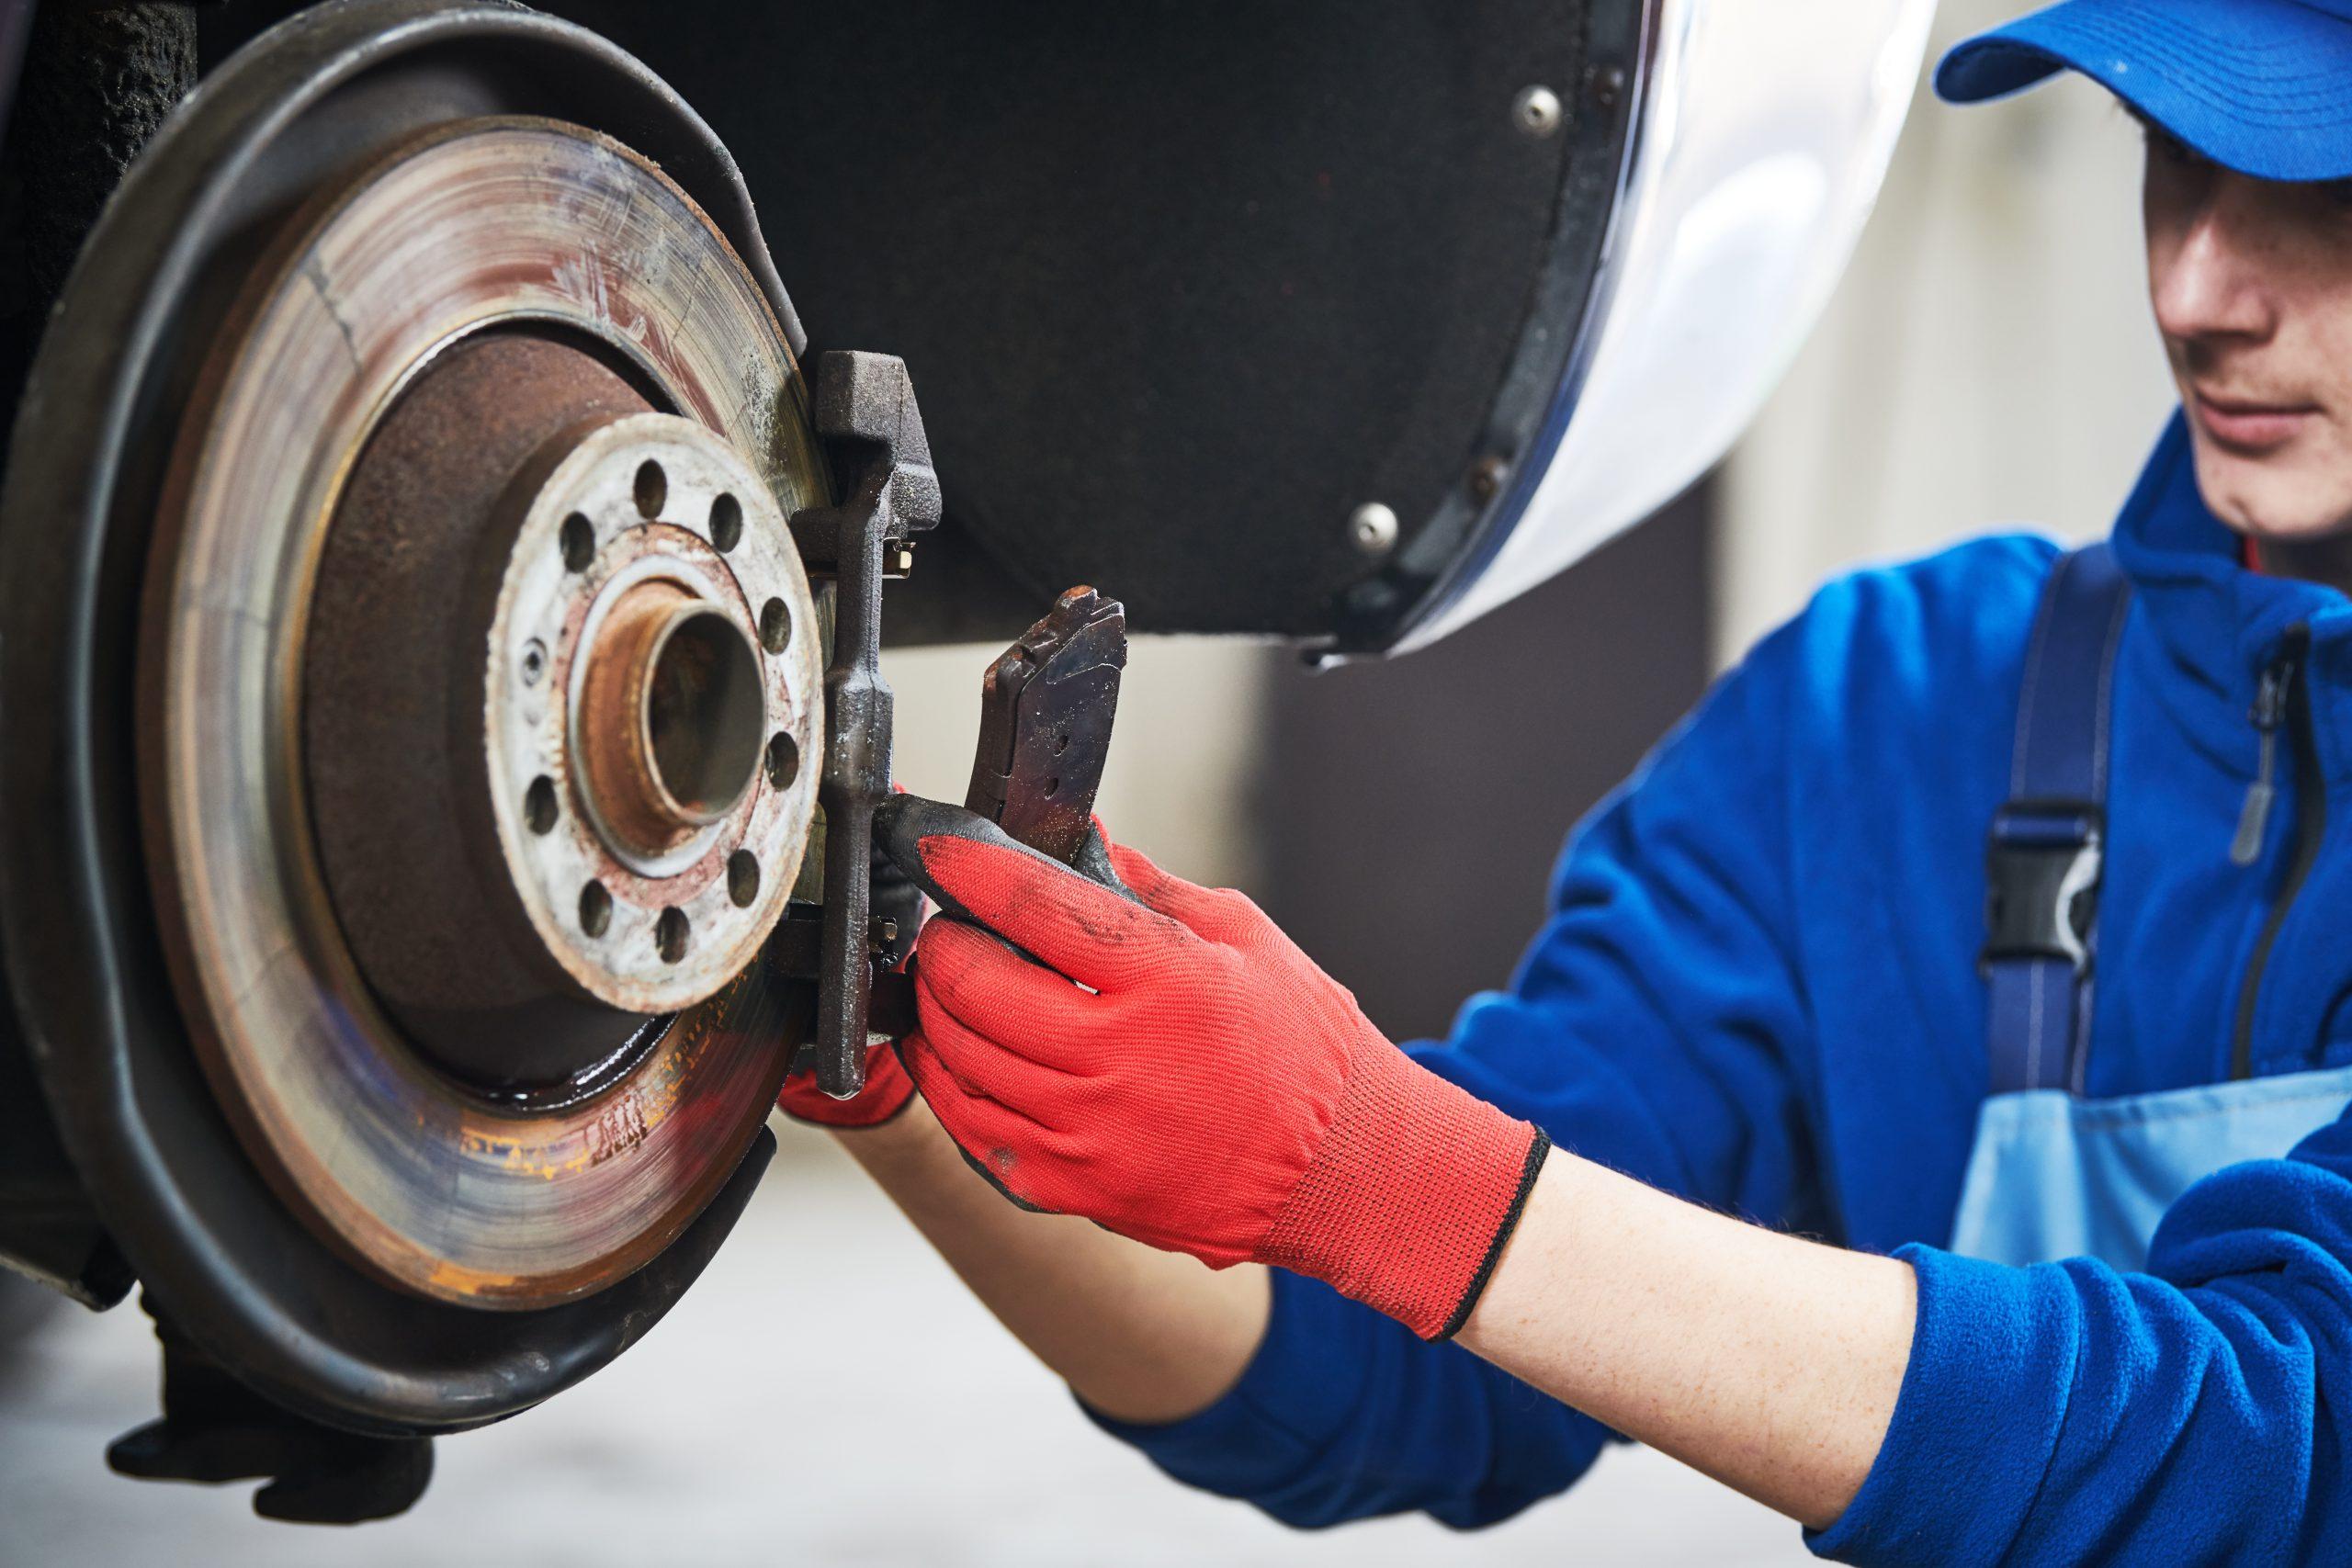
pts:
[2213, 284]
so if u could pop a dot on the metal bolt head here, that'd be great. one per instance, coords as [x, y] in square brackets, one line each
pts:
[1536, 111]
[1486, 479]
[1371, 528]
[534, 661]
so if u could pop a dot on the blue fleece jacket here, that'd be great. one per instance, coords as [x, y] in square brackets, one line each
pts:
[1758, 989]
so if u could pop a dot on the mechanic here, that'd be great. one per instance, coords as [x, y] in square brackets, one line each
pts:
[1767, 1007]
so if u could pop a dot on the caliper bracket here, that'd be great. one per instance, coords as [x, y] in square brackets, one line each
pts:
[865, 411]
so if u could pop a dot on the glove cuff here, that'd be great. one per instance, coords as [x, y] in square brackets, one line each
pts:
[1410, 1201]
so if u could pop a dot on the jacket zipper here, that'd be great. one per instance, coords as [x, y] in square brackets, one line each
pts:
[2280, 699]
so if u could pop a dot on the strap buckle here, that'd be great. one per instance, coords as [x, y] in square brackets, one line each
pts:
[2042, 862]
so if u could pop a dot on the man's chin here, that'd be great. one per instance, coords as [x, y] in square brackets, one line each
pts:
[2286, 499]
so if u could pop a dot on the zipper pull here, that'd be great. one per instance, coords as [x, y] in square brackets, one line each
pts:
[2269, 714]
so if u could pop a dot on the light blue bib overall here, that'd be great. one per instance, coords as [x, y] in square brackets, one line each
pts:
[2054, 1174]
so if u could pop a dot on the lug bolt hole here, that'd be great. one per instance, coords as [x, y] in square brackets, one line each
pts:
[783, 761]
[652, 489]
[595, 910]
[578, 542]
[672, 934]
[1053, 789]
[539, 804]
[776, 625]
[744, 878]
[726, 523]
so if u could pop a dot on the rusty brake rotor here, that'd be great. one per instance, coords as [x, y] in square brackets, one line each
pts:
[478, 663]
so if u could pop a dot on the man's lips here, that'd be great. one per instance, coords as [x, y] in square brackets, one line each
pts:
[2248, 426]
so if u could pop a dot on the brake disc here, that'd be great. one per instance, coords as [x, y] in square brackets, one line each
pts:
[406, 676]
[428, 534]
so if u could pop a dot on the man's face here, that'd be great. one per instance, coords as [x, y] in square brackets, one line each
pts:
[2252, 282]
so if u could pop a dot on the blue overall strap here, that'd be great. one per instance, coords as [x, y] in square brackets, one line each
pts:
[2042, 857]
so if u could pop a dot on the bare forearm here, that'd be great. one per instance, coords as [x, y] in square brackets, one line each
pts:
[1768, 1362]
[1139, 1334]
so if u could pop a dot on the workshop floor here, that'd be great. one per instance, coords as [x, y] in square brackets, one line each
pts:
[722, 1440]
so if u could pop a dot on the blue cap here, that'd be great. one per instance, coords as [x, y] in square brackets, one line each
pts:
[2261, 87]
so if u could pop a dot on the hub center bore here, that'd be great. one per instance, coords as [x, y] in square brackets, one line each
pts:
[670, 720]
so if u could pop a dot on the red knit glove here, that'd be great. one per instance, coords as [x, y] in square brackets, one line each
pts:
[1209, 1091]
[888, 1089]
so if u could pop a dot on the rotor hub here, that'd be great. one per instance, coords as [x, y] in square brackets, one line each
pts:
[641, 713]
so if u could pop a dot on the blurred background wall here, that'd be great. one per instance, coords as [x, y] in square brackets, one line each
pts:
[1988, 360]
